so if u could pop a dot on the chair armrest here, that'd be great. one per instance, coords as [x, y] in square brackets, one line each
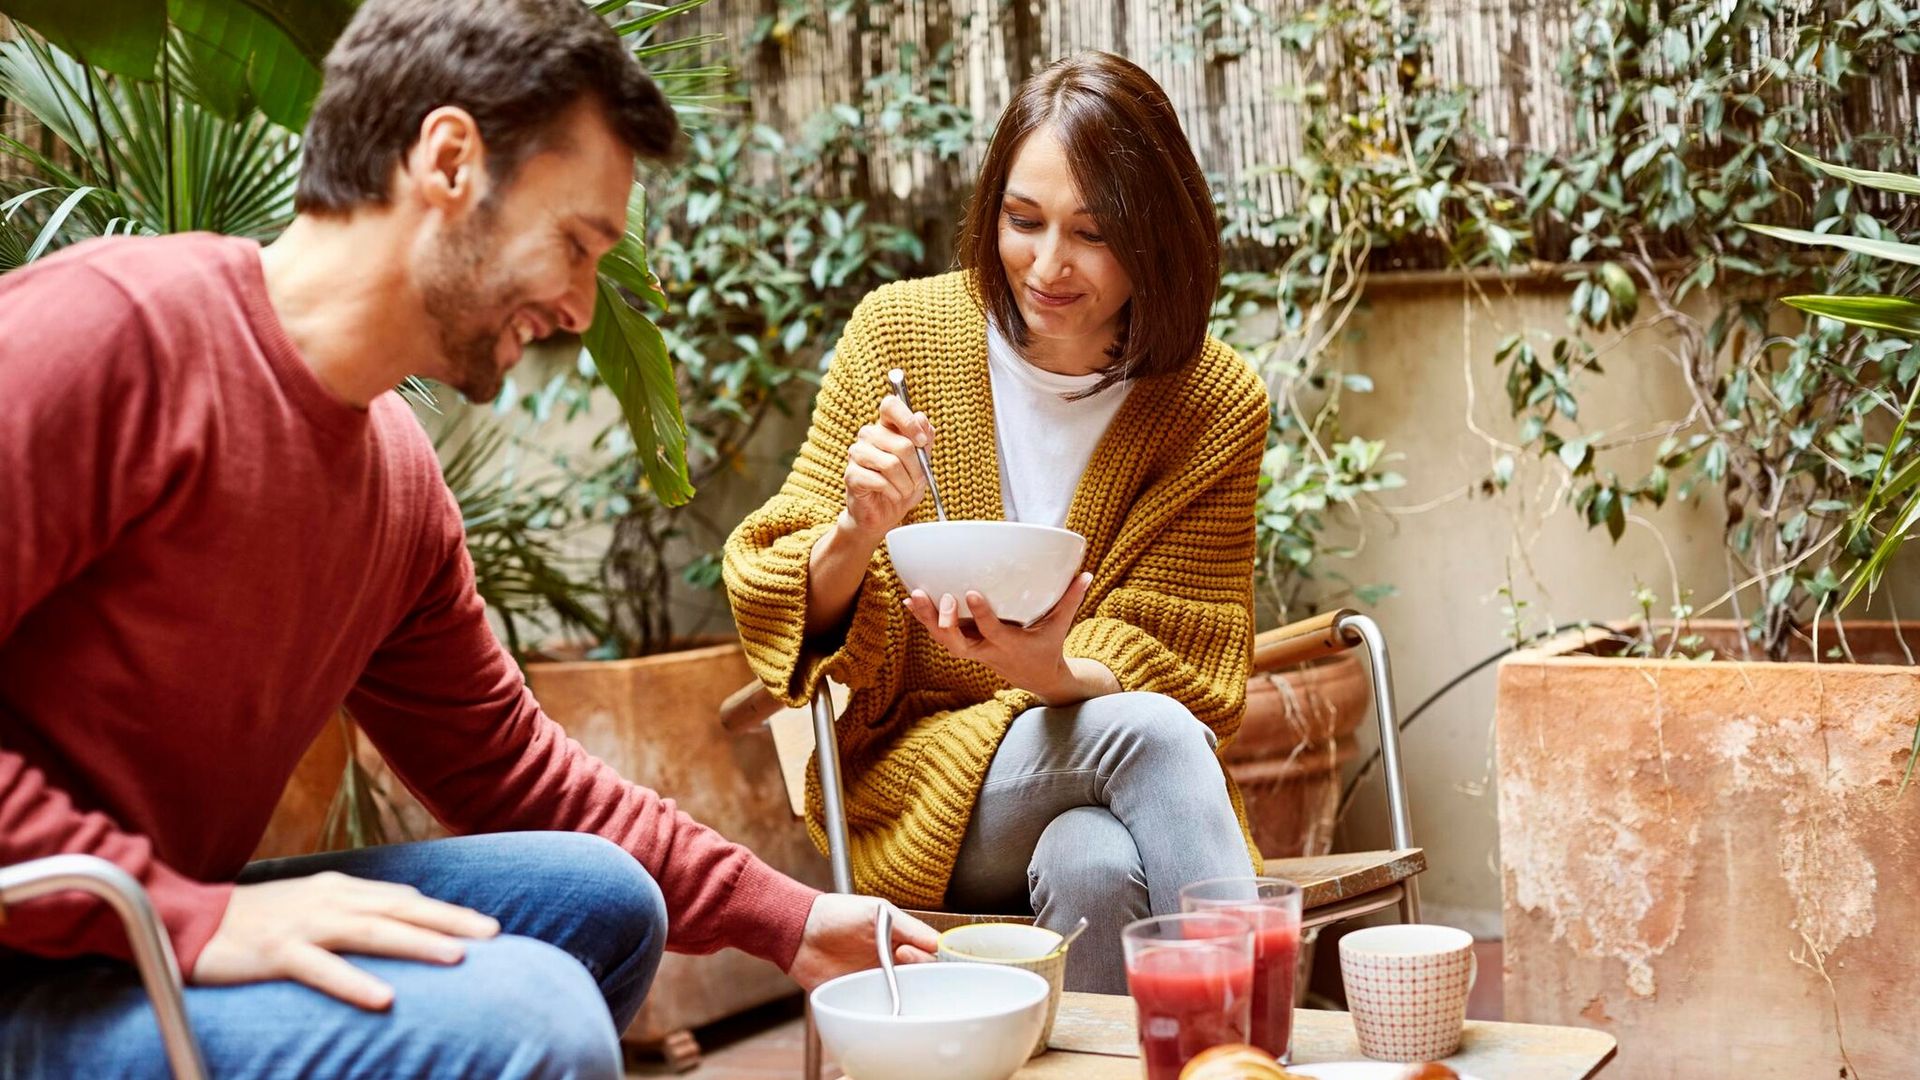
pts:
[1300, 642]
[747, 708]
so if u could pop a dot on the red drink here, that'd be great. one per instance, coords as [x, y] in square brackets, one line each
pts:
[1276, 957]
[1190, 996]
[1271, 907]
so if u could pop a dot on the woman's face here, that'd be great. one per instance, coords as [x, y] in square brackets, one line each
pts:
[1066, 283]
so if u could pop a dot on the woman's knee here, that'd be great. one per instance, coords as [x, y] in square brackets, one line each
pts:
[1157, 722]
[1086, 855]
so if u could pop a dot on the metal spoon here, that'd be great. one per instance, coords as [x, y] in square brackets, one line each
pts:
[883, 941]
[899, 380]
[1078, 929]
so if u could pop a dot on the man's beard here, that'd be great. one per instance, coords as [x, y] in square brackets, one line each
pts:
[468, 308]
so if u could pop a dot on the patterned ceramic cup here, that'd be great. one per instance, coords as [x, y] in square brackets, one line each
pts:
[1407, 989]
[1015, 945]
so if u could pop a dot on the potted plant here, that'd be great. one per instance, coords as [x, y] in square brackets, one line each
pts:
[1701, 828]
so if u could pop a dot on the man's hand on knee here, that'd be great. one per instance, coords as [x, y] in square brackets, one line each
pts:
[294, 929]
[839, 939]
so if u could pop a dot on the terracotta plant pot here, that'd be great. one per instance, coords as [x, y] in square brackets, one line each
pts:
[1297, 736]
[1708, 859]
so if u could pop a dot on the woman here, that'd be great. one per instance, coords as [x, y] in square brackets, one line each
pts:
[1068, 768]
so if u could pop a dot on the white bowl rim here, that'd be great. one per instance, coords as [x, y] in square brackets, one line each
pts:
[986, 521]
[1037, 984]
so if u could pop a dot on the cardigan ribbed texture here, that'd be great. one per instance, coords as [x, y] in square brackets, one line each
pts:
[1166, 505]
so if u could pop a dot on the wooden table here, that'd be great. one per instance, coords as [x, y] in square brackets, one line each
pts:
[1095, 1039]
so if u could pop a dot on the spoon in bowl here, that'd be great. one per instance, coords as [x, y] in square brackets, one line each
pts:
[899, 380]
[883, 941]
[1078, 929]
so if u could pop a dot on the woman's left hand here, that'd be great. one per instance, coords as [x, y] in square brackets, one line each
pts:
[1030, 658]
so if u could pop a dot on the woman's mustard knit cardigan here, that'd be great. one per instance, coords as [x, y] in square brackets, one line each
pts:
[1166, 505]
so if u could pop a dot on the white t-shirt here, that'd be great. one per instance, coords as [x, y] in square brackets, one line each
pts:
[1044, 440]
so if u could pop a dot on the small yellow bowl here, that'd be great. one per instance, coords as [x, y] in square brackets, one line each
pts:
[1029, 948]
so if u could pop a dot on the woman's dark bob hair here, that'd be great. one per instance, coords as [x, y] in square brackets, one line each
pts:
[1137, 174]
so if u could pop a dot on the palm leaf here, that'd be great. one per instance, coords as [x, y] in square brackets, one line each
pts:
[1885, 181]
[170, 163]
[1860, 245]
[242, 53]
[1898, 314]
[643, 23]
[121, 36]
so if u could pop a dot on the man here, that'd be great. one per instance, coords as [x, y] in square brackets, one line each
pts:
[218, 522]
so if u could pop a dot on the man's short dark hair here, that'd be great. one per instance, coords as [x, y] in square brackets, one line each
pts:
[516, 65]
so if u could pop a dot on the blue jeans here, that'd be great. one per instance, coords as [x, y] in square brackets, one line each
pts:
[582, 928]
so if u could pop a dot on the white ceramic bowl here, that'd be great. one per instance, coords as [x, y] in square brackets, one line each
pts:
[956, 1022]
[1021, 569]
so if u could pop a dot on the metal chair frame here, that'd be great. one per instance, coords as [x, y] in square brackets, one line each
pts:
[152, 951]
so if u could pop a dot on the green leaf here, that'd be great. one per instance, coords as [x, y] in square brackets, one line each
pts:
[632, 359]
[1880, 249]
[1639, 158]
[121, 36]
[1503, 471]
[1884, 181]
[1894, 313]
[55, 221]
[1781, 588]
[653, 18]
[1574, 453]
[631, 356]
[1501, 239]
[241, 59]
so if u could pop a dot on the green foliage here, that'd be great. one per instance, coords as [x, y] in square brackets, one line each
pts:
[238, 56]
[137, 157]
[1686, 110]
[1381, 174]
[516, 521]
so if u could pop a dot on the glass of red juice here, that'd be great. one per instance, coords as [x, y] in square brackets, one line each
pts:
[1272, 906]
[1191, 977]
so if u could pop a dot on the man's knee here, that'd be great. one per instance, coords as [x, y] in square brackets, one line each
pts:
[1086, 854]
[609, 888]
[515, 1007]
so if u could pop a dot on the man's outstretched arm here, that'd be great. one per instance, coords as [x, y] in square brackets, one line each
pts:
[448, 708]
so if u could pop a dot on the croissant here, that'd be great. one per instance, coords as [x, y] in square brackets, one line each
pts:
[1235, 1061]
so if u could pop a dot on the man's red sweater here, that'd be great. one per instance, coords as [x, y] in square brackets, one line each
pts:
[203, 553]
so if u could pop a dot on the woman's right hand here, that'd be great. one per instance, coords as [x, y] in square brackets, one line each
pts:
[884, 479]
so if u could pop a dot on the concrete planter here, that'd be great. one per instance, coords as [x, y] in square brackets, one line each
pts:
[1707, 859]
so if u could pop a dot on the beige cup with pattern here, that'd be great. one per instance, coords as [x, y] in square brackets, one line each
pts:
[1407, 989]
[1015, 945]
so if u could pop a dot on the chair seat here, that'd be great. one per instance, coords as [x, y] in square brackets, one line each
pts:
[1333, 887]
[1331, 879]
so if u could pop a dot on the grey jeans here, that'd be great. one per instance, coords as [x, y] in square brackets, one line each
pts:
[1103, 809]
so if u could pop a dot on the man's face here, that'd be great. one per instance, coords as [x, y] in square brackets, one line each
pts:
[518, 264]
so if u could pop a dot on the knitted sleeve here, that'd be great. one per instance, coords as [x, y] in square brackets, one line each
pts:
[766, 559]
[1179, 620]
